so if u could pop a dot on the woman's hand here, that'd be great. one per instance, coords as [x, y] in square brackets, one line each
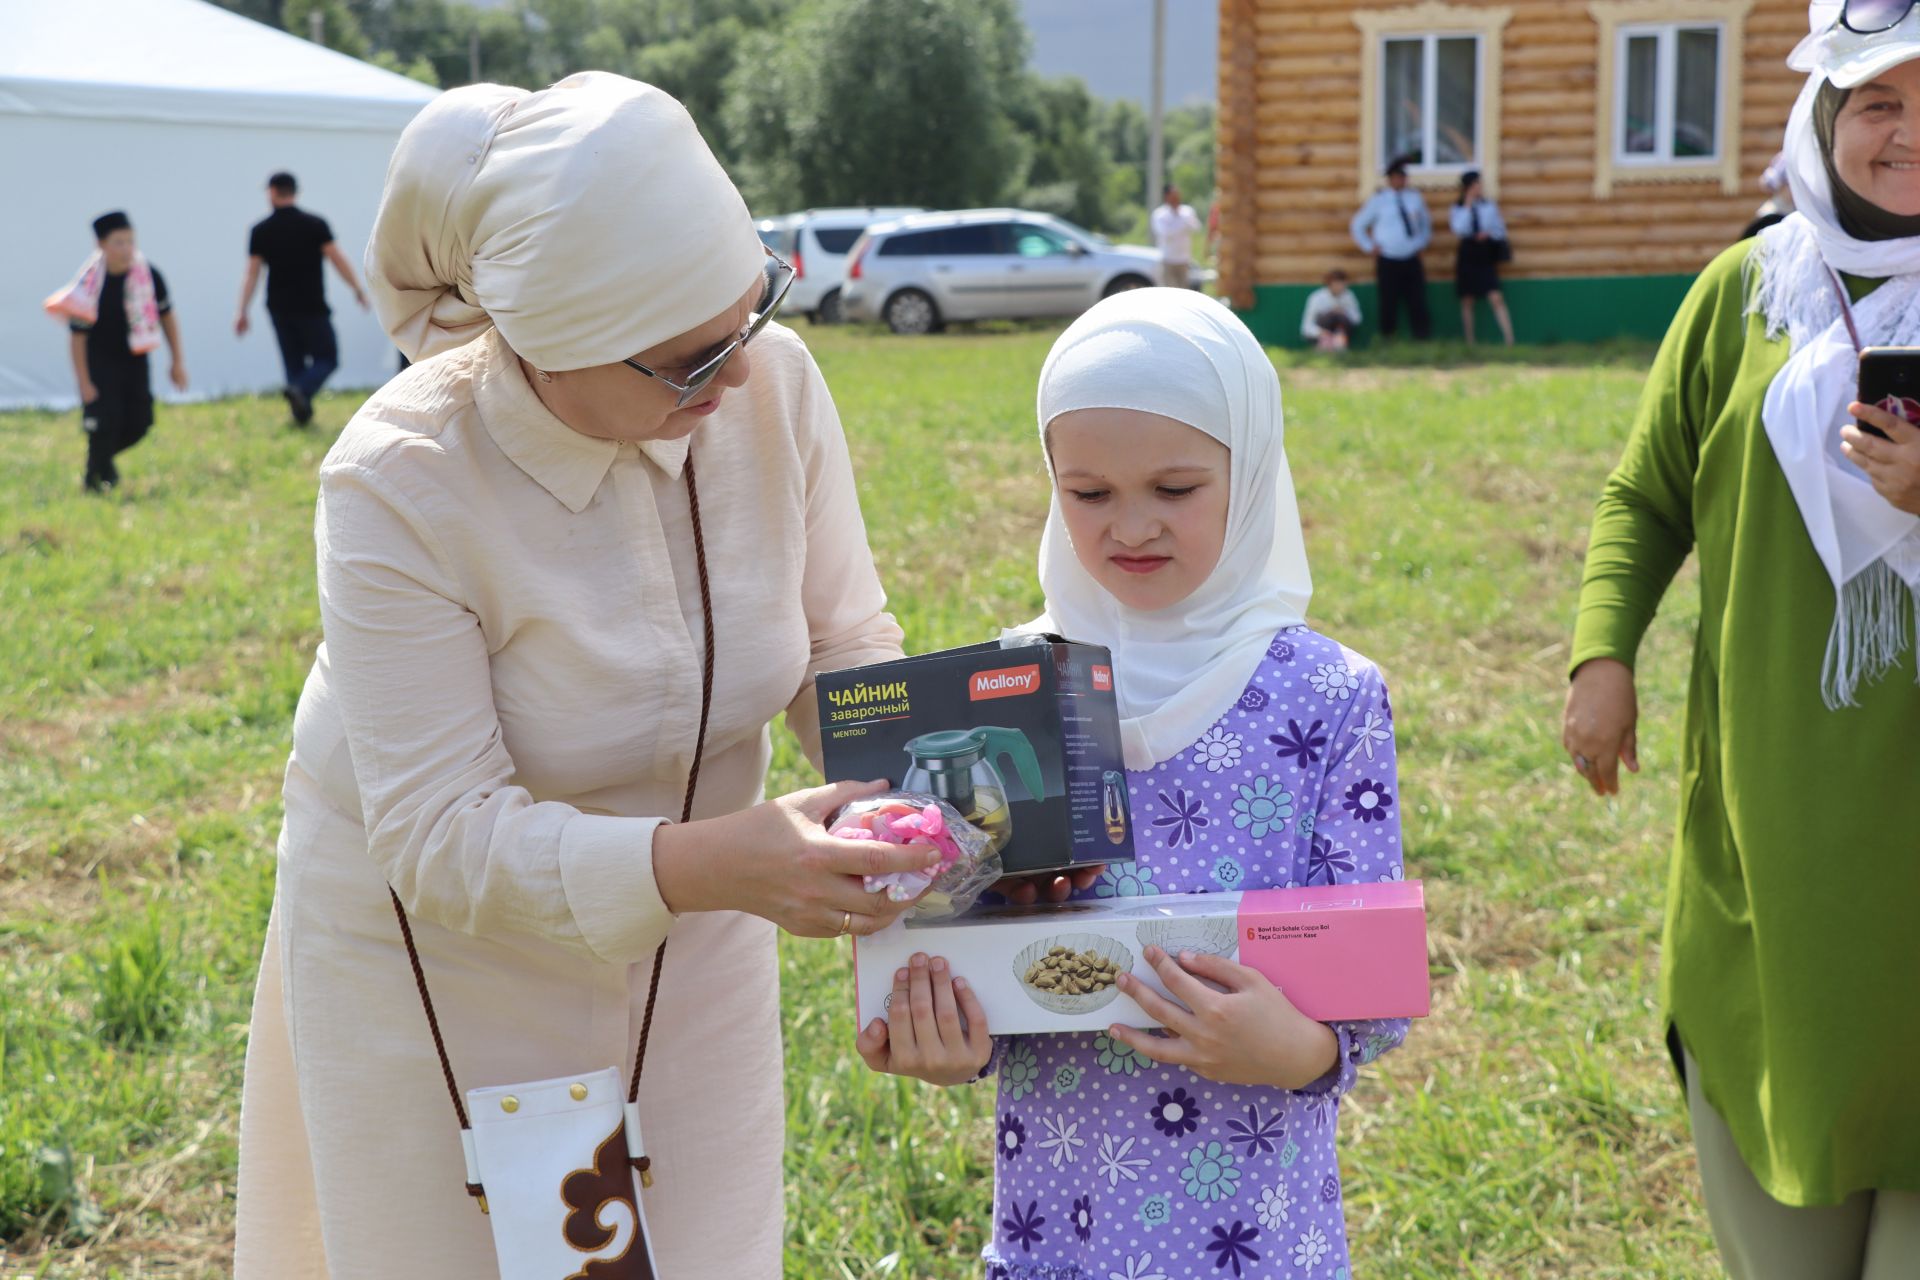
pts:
[178, 374]
[1892, 464]
[936, 1031]
[777, 861]
[1248, 1034]
[1598, 729]
[1048, 886]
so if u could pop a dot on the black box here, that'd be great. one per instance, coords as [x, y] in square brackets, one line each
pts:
[1036, 723]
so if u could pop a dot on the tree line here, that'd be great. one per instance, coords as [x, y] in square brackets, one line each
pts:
[810, 102]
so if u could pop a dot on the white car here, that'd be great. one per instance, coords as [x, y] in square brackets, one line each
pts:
[816, 242]
[918, 272]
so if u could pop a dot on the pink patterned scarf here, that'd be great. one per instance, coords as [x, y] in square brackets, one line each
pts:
[80, 300]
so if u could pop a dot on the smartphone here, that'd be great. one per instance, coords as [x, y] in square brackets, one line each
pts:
[1890, 380]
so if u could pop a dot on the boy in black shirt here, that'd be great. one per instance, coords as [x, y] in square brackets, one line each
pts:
[290, 243]
[110, 349]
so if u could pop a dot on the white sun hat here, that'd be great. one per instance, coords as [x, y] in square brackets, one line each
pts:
[1846, 57]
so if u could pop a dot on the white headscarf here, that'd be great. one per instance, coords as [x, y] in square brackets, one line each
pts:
[1187, 357]
[1869, 548]
[587, 222]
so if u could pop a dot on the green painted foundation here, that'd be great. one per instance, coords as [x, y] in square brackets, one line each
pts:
[1569, 309]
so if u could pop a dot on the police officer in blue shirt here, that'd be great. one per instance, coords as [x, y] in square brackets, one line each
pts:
[1394, 227]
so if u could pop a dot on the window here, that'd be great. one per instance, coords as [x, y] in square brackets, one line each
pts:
[1030, 241]
[1667, 94]
[1430, 91]
[966, 239]
[777, 238]
[1669, 74]
[974, 238]
[836, 239]
[1430, 100]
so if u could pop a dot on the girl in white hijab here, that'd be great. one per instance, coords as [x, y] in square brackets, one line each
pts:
[1260, 754]
[538, 723]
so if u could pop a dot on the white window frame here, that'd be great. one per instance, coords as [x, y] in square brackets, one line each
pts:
[1432, 20]
[1429, 95]
[1614, 19]
[1666, 92]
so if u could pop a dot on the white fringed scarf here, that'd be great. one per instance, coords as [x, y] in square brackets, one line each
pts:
[1870, 549]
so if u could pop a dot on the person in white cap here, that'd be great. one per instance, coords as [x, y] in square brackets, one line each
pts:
[585, 550]
[1790, 969]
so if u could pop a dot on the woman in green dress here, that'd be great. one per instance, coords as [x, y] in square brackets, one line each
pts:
[1791, 974]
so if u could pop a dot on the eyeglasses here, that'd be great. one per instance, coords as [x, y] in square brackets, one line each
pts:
[1870, 17]
[704, 372]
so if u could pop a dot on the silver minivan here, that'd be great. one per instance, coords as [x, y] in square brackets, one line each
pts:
[918, 272]
[817, 242]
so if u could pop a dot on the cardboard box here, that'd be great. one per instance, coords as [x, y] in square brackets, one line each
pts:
[1022, 738]
[1341, 952]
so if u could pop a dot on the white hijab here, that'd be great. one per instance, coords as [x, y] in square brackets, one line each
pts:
[587, 222]
[1187, 357]
[1869, 548]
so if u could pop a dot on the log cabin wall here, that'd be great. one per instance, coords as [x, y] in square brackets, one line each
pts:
[1602, 245]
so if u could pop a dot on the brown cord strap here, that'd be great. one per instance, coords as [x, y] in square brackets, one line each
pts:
[686, 815]
[644, 1164]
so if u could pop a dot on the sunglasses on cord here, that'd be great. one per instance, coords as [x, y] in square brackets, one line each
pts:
[1870, 17]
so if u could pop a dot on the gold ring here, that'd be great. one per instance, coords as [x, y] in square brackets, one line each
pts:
[846, 923]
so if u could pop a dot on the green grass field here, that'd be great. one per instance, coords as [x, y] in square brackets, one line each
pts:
[153, 646]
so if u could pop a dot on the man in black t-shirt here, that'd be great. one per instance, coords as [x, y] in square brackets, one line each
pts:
[290, 243]
[116, 391]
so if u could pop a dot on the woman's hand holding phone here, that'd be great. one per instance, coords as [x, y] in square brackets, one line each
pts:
[1891, 459]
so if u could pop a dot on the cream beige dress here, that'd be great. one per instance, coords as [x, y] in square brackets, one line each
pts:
[503, 712]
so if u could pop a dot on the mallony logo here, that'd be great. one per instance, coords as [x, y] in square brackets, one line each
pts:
[1009, 682]
[862, 694]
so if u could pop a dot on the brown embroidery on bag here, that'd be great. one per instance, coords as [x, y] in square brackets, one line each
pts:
[586, 1193]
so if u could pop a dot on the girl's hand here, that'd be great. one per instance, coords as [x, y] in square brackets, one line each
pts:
[937, 1031]
[1892, 464]
[178, 375]
[1024, 891]
[1597, 728]
[1248, 1034]
[777, 861]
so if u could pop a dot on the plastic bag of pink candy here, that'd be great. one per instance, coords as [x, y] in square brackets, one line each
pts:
[969, 864]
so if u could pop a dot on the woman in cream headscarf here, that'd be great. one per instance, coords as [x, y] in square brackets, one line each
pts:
[515, 558]
[1791, 966]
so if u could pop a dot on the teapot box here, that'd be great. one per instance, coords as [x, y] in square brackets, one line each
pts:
[1341, 952]
[1021, 736]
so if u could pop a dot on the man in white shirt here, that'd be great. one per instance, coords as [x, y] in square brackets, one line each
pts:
[1394, 227]
[1173, 225]
[1332, 314]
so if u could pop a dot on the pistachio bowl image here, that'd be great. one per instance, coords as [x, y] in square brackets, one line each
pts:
[1072, 972]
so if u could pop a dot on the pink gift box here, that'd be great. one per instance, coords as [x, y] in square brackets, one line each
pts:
[1341, 951]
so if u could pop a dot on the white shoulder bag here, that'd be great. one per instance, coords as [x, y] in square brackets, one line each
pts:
[552, 1163]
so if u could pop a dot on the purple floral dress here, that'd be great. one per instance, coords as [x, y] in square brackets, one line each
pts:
[1109, 1167]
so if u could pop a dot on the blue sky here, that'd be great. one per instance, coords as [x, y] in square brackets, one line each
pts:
[1108, 44]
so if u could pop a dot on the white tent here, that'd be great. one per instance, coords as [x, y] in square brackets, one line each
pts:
[177, 111]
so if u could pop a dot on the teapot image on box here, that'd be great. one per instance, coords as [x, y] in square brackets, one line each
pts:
[1021, 737]
[958, 767]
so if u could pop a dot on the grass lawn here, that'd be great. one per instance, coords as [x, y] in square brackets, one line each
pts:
[154, 643]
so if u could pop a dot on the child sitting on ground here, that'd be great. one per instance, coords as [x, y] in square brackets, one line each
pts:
[1332, 314]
